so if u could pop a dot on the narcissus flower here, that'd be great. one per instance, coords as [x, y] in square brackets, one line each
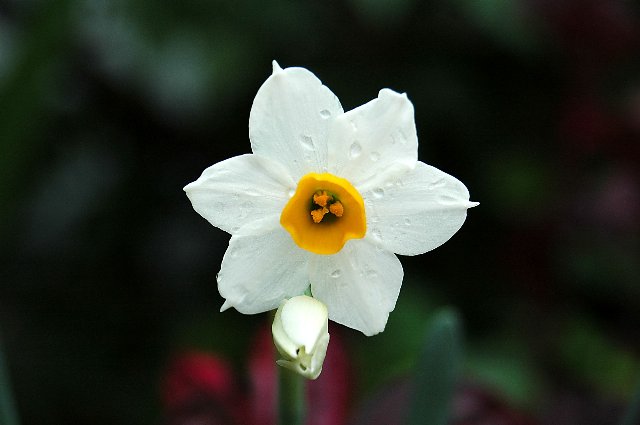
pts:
[326, 199]
[301, 335]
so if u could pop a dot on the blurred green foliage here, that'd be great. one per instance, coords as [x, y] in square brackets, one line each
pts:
[107, 109]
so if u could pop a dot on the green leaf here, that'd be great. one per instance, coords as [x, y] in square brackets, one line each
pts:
[438, 370]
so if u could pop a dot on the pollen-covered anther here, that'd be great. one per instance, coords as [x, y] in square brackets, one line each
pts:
[336, 209]
[321, 198]
[326, 203]
[318, 215]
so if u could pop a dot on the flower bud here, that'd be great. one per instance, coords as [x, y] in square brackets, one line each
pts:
[300, 333]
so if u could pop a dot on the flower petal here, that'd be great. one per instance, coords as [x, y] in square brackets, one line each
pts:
[377, 138]
[418, 211]
[289, 120]
[359, 285]
[262, 268]
[240, 190]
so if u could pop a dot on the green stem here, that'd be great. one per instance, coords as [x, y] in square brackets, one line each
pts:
[291, 398]
[633, 411]
[8, 413]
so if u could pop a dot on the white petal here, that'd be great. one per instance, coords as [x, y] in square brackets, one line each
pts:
[260, 269]
[418, 211]
[376, 138]
[240, 190]
[289, 120]
[359, 285]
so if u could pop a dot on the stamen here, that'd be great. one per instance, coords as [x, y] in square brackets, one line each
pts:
[327, 205]
[321, 198]
[318, 214]
[336, 209]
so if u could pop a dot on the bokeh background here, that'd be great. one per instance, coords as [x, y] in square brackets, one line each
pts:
[108, 108]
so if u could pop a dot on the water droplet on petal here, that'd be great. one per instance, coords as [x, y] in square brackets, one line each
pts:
[371, 273]
[307, 142]
[375, 156]
[447, 200]
[401, 136]
[407, 222]
[325, 114]
[336, 274]
[437, 184]
[377, 234]
[355, 150]
[378, 192]
[245, 207]
[354, 126]
[292, 191]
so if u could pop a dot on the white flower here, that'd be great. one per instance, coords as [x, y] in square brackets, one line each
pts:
[300, 332]
[326, 200]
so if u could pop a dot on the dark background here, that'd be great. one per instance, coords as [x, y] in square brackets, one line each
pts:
[107, 109]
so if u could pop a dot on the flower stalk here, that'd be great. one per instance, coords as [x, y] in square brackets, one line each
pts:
[291, 397]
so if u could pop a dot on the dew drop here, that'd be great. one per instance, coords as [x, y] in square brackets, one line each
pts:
[245, 207]
[336, 273]
[325, 113]
[354, 126]
[291, 192]
[375, 156]
[355, 150]
[400, 135]
[371, 273]
[378, 192]
[307, 142]
[447, 200]
[377, 233]
[407, 222]
[437, 184]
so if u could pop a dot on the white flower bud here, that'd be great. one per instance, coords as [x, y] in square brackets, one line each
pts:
[300, 332]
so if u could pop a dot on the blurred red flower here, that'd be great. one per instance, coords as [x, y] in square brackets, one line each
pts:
[201, 388]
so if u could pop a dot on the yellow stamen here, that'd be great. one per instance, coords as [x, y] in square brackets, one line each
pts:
[318, 215]
[336, 209]
[307, 221]
[321, 198]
